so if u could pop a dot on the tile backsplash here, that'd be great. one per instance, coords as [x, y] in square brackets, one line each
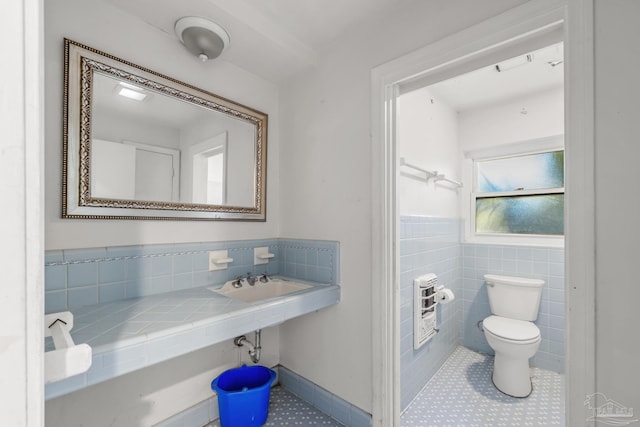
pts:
[79, 277]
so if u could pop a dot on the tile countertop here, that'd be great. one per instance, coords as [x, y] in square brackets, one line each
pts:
[135, 333]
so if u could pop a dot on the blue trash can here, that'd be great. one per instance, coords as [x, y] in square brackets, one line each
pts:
[243, 395]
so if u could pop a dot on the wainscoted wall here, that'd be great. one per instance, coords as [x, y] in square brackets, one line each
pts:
[432, 245]
[428, 245]
[543, 263]
[78, 277]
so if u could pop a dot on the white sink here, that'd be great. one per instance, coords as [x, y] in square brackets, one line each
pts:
[260, 291]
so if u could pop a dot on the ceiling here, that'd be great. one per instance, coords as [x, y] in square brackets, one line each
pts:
[487, 86]
[274, 39]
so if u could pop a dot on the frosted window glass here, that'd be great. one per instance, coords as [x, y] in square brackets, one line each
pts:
[533, 214]
[530, 172]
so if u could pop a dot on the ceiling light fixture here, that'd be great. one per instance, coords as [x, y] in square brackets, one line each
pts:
[201, 37]
[514, 63]
[130, 91]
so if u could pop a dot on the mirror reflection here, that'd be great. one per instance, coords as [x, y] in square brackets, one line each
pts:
[142, 145]
[151, 147]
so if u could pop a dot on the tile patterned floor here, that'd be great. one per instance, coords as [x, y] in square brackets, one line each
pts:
[287, 410]
[461, 394]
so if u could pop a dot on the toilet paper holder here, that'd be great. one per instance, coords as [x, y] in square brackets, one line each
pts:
[444, 295]
[68, 359]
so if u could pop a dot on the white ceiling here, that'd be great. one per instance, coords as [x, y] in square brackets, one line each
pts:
[274, 39]
[487, 86]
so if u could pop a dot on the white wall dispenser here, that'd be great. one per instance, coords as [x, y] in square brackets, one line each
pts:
[68, 359]
[427, 295]
[218, 260]
[261, 255]
[424, 309]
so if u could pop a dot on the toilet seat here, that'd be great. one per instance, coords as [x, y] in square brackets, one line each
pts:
[511, 329]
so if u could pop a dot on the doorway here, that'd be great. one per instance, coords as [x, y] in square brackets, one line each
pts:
[456, 55]
[480, 191]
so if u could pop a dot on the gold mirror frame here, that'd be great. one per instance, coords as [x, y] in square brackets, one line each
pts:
[81, 62]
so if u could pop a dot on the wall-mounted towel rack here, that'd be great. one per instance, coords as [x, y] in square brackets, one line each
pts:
[68, 359]
[431, 174]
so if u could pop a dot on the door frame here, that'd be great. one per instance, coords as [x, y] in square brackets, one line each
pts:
[22, 228]
[576, 18]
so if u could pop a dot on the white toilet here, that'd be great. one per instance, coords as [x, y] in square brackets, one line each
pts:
[511, 332]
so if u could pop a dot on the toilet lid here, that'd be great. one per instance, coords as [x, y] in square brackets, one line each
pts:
[511, 329]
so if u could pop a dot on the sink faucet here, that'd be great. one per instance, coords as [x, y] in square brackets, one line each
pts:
[251, 280]
[238, 282]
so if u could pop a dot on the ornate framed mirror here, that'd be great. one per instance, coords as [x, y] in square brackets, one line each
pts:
[141, 145]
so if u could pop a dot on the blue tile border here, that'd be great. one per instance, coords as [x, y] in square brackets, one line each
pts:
[327, 402]
[74, 276]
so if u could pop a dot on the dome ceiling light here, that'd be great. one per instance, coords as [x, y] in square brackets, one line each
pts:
[203, 38]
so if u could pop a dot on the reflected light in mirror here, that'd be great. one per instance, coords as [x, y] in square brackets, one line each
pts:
[130, 91]
[132, 94]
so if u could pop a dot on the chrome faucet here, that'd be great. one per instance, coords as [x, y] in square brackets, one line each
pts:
[264, 277]
[251, 280]
[238, 282]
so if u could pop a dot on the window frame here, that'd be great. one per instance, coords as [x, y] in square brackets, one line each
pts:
[522, 148]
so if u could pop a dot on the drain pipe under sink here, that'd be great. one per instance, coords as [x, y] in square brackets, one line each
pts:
[254, 350]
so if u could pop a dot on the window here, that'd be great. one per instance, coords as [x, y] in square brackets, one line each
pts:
[519, 195]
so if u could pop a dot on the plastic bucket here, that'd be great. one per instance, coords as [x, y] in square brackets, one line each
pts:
[243, 395]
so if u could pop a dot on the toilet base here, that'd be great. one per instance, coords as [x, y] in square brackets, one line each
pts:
[511, 376]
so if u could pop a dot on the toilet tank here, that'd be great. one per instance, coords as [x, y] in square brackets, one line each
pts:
[514, 297]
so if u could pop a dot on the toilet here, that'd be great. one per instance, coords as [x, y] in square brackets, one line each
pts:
[510, 330]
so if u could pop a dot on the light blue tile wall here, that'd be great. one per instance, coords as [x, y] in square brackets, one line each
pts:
[313, 260]
[535, 262]
[79, 277]
[428, 245]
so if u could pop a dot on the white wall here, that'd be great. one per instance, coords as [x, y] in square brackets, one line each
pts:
[97, 24]
[428, 138]
[155, 393]
[433, 135]
[617, 60]
[119, 127]
[326, 150]
[504, 123]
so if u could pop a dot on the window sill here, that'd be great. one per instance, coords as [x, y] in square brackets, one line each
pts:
[516, 240]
